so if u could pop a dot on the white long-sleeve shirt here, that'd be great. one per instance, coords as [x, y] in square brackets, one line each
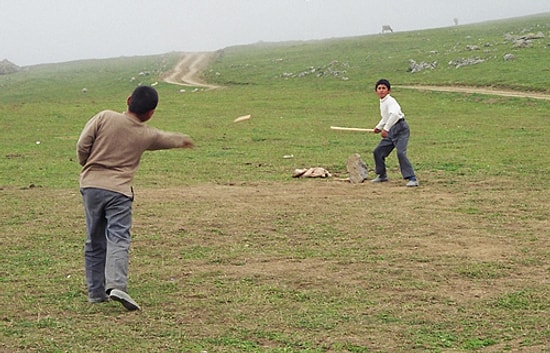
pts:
[391, 113]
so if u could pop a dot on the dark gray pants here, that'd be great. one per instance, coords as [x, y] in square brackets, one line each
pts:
[398, 138]
[107, 247]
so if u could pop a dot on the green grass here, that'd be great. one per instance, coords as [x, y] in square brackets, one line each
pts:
[231, 254]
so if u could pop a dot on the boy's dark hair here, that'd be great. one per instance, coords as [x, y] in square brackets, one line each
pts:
[143, 100]
[384, 82]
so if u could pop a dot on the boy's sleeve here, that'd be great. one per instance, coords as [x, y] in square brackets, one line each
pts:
[163, 140]
[381, 124]
[86, 141]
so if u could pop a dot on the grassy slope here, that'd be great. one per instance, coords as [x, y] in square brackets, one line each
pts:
[370, 57]
[291, 115]
[457, 139]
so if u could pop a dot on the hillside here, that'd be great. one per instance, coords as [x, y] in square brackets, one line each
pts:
[506, 54]
[189, 72]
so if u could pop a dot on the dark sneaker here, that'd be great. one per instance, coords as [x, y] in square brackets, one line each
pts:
[125, 299]
[412, 183]
[97, 300]
[379, 179]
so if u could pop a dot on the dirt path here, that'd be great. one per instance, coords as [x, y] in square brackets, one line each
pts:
[188, 73]
[481, 90]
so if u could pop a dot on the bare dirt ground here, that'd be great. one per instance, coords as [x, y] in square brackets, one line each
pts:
[441, 252]
[318, 260]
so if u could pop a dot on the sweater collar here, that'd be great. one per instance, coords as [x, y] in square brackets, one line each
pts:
[132, 117]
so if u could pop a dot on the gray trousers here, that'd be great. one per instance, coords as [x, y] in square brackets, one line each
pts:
[398, 138]
[107, 247]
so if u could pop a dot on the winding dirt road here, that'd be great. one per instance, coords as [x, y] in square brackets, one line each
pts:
[481, 90]
[188, 72]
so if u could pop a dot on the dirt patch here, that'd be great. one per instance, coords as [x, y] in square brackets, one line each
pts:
[329, 263]
[438, 233]
[434, 253]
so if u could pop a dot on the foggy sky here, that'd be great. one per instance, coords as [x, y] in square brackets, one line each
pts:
[47, 31]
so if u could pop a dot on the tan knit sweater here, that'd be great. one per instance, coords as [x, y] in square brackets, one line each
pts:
[110, 147]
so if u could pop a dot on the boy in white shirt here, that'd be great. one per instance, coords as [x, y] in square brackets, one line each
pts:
[395, 134]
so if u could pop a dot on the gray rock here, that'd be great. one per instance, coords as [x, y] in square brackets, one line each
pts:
[508, 57]
[357, 169]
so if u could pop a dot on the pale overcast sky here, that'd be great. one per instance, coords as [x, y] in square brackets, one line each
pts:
[47, 31]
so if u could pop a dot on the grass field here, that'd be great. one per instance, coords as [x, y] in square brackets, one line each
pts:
[231, 254]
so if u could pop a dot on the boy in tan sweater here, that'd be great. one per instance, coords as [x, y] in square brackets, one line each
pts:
[109, 150]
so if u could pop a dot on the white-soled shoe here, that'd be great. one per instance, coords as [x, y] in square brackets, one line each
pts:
[379, 179]
[125, 299]
[412, 183]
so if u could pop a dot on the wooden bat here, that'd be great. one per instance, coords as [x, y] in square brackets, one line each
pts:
[242, 118]
[351, 129]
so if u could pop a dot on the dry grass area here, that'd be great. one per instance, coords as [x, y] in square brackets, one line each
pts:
[313, 265]
[439, 255]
